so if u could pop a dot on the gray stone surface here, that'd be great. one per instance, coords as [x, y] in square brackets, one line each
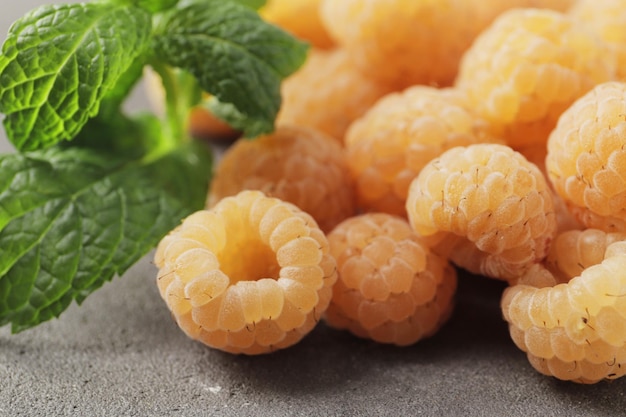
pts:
[120, 354]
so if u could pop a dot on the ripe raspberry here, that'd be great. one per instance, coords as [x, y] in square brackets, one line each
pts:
[391, 288]
[576, 330]
[327, 93]
[402, 43]
[205, 125]
[295, 164]
[564, 218]
[299, 17]
[251, 275]
[526, 68]
[574, 251]
[399, 42]
[402, 132]
[606, 18]
[494, 8]
[586, 159]
[486, 208]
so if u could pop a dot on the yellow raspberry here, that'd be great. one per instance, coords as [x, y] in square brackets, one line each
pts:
[486, 208]
[299, 17]
[391, 287]
[564, 218]
[401, 42]
[327, 93]
[526, 68]
[607, 18]
[251, 275]
[586, 159]
[204, 124]
[295, 164]
[573, 251]
[388, 146]
[404, 43]
[494, 8]
[575, 330]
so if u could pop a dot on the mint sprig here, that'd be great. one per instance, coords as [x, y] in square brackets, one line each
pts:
[153, 5]
[59, 61]
[240, 61]
[97, 215]
[91, 190]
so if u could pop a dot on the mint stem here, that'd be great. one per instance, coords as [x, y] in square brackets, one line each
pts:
[182, 93]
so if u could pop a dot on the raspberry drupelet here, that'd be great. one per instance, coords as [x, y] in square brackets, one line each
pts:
[569, 315]
[296, 164]
[327, 93]
[391, 287]
[299, 17]
[527, 67]
[573, 251]
[494, 8]
[401, 43]
[565, 219]
[251, 275]
[586, 160]
[388, 146]
[607, 18]
[486, 208]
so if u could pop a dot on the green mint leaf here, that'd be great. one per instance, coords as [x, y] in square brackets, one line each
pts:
[235, 56]
[71, 219]
[155, 5]
[254, 4]
[57, 64]
[115, 132]
[115, 97]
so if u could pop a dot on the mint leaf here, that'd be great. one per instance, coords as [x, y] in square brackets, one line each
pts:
[114, 98]
[253, 4]
[115, 132]
[71, 219]
[235, 56]
[156, 5]
[59, 61]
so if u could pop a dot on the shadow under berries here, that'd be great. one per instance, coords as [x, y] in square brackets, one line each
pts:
[470, 364]
[328, 358]
[603, 398]
[324, 360]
